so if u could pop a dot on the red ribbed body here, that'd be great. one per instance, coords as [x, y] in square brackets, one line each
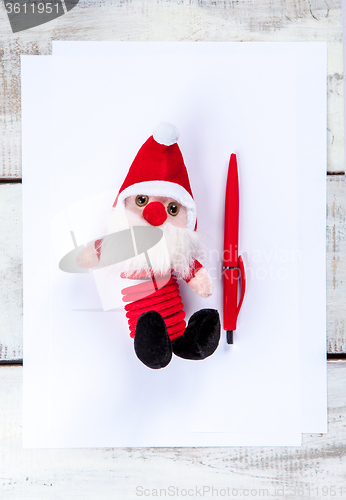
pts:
[159, 294]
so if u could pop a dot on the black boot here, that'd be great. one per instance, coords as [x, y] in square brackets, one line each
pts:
[201, 336]
[152, 344]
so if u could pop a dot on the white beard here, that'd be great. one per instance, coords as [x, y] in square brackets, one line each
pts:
[176, 251]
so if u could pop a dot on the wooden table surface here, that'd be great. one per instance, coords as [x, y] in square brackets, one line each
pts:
[318, 468]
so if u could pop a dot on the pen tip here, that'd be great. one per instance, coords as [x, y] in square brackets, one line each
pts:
[233, 159]
[229, 336]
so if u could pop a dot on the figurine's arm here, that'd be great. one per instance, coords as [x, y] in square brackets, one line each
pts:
[90, 255]
[199, 280]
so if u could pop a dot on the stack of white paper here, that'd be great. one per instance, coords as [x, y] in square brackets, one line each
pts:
[86, 112]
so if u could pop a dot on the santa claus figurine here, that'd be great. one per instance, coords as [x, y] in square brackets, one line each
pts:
[157, 192]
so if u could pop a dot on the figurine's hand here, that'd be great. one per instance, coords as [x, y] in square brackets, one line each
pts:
[201, 283]
[87, 258]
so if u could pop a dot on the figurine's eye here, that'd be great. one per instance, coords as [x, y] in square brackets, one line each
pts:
[173, 209]
[142, 200]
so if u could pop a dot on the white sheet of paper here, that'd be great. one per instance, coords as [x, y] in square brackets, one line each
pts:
[109, 366]
[311, 104]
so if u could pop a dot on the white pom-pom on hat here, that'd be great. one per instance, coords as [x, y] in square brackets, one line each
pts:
[166, 134]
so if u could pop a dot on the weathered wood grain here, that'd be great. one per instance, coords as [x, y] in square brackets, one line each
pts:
[11, 286]
[335, 110]
[336, 265]
[115, 473]
[191, 20]
[11, 269]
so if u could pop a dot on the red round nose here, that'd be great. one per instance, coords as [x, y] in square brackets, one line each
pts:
[155, 213]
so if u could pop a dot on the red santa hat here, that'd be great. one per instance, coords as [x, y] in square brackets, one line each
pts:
[159, 170]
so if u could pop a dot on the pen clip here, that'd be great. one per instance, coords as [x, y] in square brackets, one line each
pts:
[243, 282]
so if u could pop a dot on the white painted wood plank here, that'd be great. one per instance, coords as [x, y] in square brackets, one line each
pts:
[214, 20]
[115, 473]
[335, 109]
[11, 294]
[336, 265]
[11, 269]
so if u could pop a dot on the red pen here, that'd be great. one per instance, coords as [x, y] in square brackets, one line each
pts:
[233, 266]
